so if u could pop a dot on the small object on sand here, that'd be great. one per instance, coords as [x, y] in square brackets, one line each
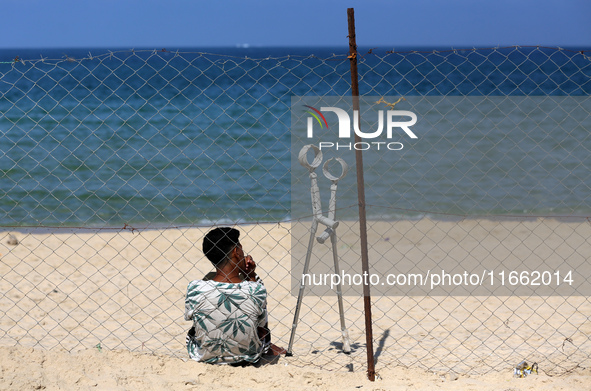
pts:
[523, 369]
[448, 376]
[12, 240]
[451, 376]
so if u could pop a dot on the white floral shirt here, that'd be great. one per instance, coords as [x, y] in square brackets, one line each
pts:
[225, 320]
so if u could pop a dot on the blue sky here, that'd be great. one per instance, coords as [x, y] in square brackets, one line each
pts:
[193, 23]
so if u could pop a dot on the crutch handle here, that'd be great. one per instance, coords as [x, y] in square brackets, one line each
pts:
[324, 235]
[326, 221]
[334, 178]
[303, 157]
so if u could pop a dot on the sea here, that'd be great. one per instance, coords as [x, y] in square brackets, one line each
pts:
[165, 137]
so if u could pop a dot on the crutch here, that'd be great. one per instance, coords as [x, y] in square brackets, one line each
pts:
[331, 225]
[331, 232]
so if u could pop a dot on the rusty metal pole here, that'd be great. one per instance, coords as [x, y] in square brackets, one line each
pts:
[371, 372]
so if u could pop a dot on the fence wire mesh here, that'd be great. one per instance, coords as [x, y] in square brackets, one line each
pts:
[114, 166]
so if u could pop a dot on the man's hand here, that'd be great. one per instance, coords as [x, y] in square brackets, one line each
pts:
[250, 267]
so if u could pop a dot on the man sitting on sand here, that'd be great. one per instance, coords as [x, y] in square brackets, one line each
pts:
[229, 311]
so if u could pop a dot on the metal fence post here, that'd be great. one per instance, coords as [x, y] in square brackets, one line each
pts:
[361, 197]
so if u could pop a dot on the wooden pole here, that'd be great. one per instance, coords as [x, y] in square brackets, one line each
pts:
[371, 372]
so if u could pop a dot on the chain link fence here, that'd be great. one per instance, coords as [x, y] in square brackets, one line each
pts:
[114, 166]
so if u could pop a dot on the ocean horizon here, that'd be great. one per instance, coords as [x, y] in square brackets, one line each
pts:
[102, 138]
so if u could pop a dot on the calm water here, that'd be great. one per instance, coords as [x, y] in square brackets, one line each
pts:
[160, 138]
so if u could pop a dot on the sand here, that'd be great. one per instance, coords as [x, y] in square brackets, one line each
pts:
[103, 309]
[28, 369]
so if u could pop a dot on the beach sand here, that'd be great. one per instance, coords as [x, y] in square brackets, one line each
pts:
[105, 308]
[28, 369]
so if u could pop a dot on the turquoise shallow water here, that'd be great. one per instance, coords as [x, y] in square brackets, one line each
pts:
[161, 138]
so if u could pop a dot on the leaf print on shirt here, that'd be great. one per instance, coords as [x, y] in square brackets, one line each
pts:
[229, 300]
[218, 344]
[199, 317]
[259, 294]
[191, 296]
[235, 324]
